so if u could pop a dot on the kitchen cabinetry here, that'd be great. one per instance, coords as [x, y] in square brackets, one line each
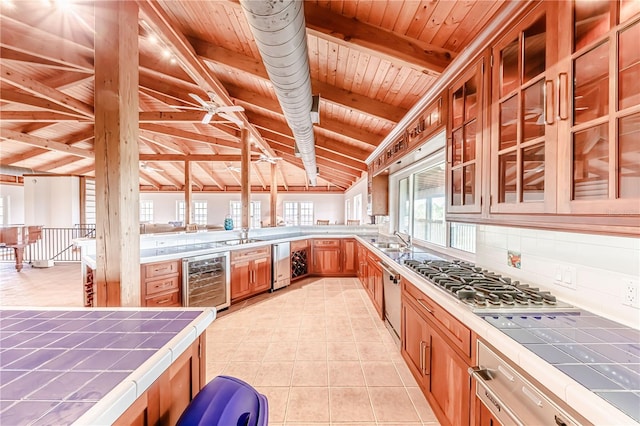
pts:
[334, 257]
[250, 272]
[437, 349]
[161, 284]
[524, 129]
[378, 188]
[484, 417]
[374, 283]
[599, 109]
[299, 259]
[362, 264]
[464, 144]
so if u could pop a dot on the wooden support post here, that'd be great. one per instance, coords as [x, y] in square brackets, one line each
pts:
[245, 170]
[187, 193]
[116, 154]
[273, 200]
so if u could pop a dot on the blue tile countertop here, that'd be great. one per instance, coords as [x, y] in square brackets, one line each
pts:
[60, 366]
[598, 353]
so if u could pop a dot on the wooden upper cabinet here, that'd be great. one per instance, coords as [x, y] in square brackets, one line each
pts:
[599, 172]
[523, 122]
[464, 140]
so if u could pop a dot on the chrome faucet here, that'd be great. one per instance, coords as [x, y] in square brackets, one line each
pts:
[244, 234]
[406, 242]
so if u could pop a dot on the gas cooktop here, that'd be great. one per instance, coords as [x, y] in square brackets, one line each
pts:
[486, 291]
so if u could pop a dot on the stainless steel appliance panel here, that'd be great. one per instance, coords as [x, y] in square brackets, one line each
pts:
[511, 398]
[281, 265]
[391, 291]
[206, 281]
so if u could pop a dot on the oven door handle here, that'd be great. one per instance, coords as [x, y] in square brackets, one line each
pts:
[476, 373]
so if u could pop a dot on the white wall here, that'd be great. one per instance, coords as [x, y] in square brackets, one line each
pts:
[604, 265]
[14, 201]
[52, 201]
[360, 187]
[326, 206]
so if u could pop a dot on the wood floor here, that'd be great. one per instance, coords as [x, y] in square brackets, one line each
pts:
[316, 349]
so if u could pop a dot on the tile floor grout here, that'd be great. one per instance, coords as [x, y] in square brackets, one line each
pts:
[380, 392]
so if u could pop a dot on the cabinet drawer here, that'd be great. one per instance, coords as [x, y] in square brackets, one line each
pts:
[164, 300]
[162, 285]
[159, 269]
[326, 243]
[249, 254]
[299, 245]
[459, 335]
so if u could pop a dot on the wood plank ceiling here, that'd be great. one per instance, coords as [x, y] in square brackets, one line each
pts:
[370, 61]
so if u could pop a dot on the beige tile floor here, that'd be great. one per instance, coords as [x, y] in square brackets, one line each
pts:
[317, 349]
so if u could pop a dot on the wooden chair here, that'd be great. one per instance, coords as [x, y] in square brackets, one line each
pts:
[322, 222]
[352, 222]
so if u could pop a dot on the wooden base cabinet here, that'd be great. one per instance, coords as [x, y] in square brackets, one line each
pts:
[484, 417]
[437, 361]
[334, 257]
[166, 399]
[161, 284]
[250, 272]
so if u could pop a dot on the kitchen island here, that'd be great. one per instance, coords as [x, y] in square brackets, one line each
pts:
[100, 366]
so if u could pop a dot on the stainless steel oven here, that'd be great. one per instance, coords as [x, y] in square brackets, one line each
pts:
[511, 398]
[206, 281]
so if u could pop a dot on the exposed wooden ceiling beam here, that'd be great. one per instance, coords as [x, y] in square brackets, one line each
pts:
[34, 41]
[329, 93]
[328, 127]
[190, 136]
[78, 137]
[39, 117]
[222, 132]
[52, 165]
[210, 174]
[44, 143]
[13, 77]
[15, 97]
[146, 177]
[193, 157]
[257, 172]
[165, 29]
[164, 142]
[395, 48]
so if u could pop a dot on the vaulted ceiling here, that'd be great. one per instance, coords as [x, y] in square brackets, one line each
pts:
[370, 62]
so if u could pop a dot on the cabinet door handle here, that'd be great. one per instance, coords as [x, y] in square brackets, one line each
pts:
[426, 350]
[422, 303]
[563, 96]
[422, 344]
[548, 102]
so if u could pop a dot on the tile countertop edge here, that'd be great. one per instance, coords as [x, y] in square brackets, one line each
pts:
[118, 400]
[581, 399]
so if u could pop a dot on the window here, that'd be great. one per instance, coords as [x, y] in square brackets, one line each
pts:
[146, 211]
[180, 211]
[235, 210]
[357, 207]
[200, 212]
[428, 205]
[90, 202]
[422, 205]
[298, 213]
[347, 210]
[2, 207]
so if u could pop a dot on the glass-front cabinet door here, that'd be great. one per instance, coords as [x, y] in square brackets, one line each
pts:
[599, 133]
[464, 141]
[523, 122]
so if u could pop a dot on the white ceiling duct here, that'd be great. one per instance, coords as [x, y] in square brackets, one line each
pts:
[279, 30]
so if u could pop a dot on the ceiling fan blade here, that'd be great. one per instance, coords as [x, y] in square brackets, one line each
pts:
[214, 98]
[232, 108]
[231, 118]
[207, 118]
[199, 100]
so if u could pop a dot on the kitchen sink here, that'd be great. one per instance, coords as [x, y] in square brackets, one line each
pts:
[387, 246]
[240, 241]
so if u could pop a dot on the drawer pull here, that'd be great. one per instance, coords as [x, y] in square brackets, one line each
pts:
[163, 301]
[505, 373]
[422, 303]
[533, 397]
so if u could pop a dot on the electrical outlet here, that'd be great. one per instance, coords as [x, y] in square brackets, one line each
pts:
[631, 294]
[565, 276]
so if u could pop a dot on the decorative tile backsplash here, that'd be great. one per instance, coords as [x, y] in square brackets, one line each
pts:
[604, 266]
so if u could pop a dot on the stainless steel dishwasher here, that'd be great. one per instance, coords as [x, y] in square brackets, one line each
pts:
[391, 291]
[281, 265]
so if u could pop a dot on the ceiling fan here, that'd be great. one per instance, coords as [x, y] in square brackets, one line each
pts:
[212, 107]
[145, 166]
[265, 158]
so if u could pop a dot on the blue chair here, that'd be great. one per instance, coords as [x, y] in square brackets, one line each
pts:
[226, 401]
